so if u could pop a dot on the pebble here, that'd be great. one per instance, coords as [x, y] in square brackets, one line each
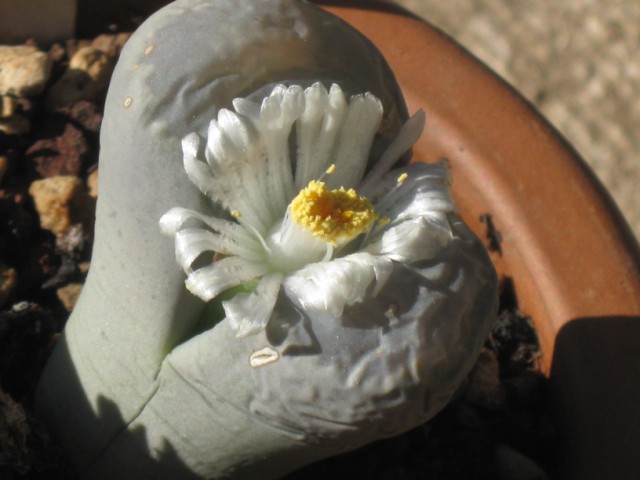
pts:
[86, 78]
[15, 125]
[8, 281]
[69, 294]
[92, 184]
[7, 110]
[24, 70]
[4, 166]
[111, 44]
[72, 241]
[13, 120]
[86, 114]
[61, 154]
[72, 45]
[7, 105]
[20, 307]
[60, 202]
[57, 55]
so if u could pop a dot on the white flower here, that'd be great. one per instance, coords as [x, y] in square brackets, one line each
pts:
[302, 212]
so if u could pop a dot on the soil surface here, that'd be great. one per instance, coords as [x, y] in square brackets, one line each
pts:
[497, 427]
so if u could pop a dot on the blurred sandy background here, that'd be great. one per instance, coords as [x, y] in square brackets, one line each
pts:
[577, 61]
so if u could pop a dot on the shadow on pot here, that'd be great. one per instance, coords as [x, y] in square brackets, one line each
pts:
[594, 381]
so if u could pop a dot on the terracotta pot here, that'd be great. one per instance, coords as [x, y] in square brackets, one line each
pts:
[574, 263]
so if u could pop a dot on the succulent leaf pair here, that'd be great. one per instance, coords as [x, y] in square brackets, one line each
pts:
[344, 301]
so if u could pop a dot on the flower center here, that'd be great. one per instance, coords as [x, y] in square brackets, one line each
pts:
[332, 215]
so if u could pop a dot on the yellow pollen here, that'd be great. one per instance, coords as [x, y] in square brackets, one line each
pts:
[235, 214]
[331, 169]
[402, 177]
[382, 221]
[332, 214]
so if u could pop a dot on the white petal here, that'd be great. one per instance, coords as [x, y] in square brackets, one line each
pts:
[250, 312]
[307, 132]
[224, 189]
[174, 220]
[411, 241]
[278, 113]
[198, 172]
[247, 108]
[235, 154]
[426, 189]
[352, 154]
[317, 131]
[408, 135]
[418, 201]
[219, 151]
[208, 282]
[233, 141]
[330, 286]
[193, 242]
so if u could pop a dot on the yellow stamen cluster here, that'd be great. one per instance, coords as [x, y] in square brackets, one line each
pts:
[332, 214]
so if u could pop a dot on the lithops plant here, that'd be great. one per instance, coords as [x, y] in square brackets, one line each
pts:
[271, 284]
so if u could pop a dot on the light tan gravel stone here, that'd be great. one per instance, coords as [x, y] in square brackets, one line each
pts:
[15, 125]
[92, 184]
[68, 295]
[60, 201]
[7, 105]
[24, 70]
[111, 44]
[4, 166]
[8, 282]
[86, 78]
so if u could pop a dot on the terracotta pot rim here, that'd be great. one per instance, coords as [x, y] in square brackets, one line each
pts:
[510, 162]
